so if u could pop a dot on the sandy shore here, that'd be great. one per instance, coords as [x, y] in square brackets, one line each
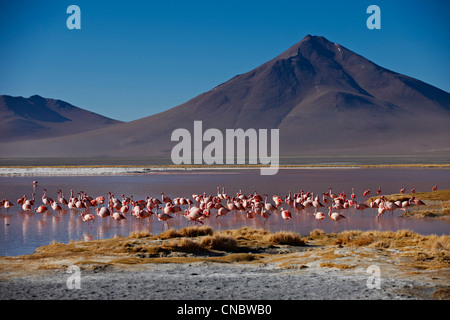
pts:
[212, 281]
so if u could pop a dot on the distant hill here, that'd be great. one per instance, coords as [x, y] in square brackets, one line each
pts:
[37, 117]
[324, 99]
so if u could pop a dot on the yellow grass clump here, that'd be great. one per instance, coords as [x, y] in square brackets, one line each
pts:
[220, 242]
[286, 238]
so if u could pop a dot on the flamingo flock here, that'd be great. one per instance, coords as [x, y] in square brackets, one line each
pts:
[199, 207]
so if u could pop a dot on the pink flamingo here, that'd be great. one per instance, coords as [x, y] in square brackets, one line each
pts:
[269, 206]
[360, 206]
[332, 195]
[41, 209]
[118, 216]
[434, 188]
[316, 203]
[61, 199]
[336, 216]
[418, 202]
[55, 206]
[7, 204]
[87, 217]
[265, 214]
[165, 199]
[163, 217]
[46, 200]
[319, 216]
[103, 212]
[26, 207]
[285, 214]
[222, 212]
[381, 209]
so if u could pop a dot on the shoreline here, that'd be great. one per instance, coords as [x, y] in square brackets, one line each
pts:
[248, 263]
[74, 170]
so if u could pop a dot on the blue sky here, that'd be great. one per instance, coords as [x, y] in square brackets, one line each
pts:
[132, 59]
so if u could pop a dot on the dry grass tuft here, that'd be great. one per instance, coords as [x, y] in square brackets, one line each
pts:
[195, 231]
[220, 242]
[168, 234]
[286, 238]
[140, 234]
[186, 245]
[241, 257]
[186, 232]
[335, 265]
[317, 234]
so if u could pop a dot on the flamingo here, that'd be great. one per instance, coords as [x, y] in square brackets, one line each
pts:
[224, 195]
[26, 207]
[222, 212]
[316, 203]
[72, 205]
[163, 217]
[360, 206]
[319, 216]
[55, 206]
[265, 214]
[7, 204]
[381, 209]
[298, 206]
[124, 208]
[165, 199]
[61, 199]
[193, 215]
[231, 206]
[390, 206]
[286, 214]
[41, 209]
[434, 188]
[20, 200]
[402, 190]
[103, 212]
[418, 202]
[366, 193]
[277, 200]
[87, 217]
[46, 200]
[405, 204]
[118, 216]
[413, 190]
[336, 216]
[379, 190]
[353, 195]
[268, 206]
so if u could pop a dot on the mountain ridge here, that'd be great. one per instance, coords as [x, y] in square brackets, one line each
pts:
[323, 97]
[37, 117]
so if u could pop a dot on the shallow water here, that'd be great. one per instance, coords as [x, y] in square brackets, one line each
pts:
[22, 233]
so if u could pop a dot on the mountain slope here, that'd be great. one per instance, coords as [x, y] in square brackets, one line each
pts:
[324, 99]
[36, 117]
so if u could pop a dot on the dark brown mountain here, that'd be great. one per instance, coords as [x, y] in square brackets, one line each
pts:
[324, 99]
[37, 117]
